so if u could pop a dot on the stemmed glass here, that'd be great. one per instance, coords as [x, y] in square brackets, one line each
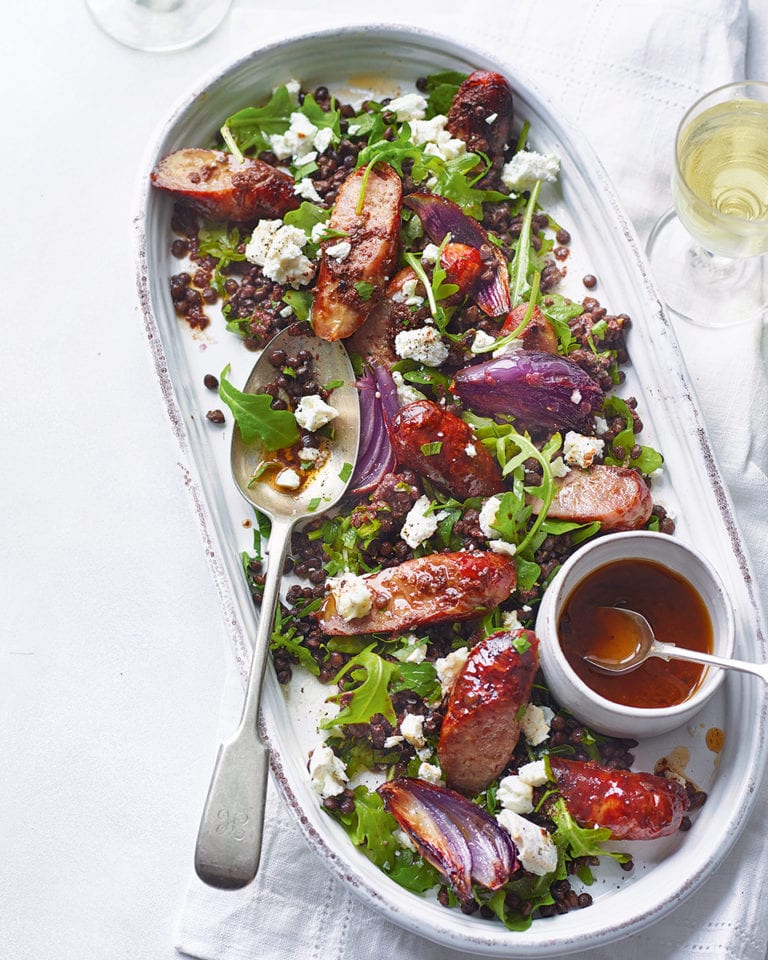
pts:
[158, 25]
[706, 253]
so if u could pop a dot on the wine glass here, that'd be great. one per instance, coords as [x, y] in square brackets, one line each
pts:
[706, 253]
[158, 25]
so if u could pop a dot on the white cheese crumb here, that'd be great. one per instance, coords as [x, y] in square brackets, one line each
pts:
[515, 795]
[293, 87]
[411, 106]
[407, 293]
[318, 232]
[311, 454]
[352, 596]
[419, 525]
[305, 188]
[559, 468]
[323, 139]
[487, 516]
[313, 412]
[510, 621]
[482, 342]
[423, 345]
[491, 118]
[414, 651]
[513, 346]
[353, 129]
[535, 723]
[526, 167]
[393, 741]
[412, 728]
[576, 397]
[300, 139]
[405, 392]
[601, 426]
[403, 839]
[286, 311]
[503, 546]
[448, 668]
[470, 450]
[436, 140]
[430, 772]
[277, 249]
[340, 250]
[429, 253]
[533, 773]
[580, 451]
[535, 847]
[327, 773]
[288, 479]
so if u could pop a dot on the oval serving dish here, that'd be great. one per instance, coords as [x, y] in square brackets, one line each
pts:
[386, 60]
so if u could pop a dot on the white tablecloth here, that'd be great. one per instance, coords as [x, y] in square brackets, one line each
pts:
[114, 653]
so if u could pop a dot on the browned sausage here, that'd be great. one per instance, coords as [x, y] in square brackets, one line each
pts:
[461, 465]
[479, 97]
[431, 589]
[215, 185]
[633, 806]
[347, 289]
[482, 722]
[616, 496]
[375, 340]
[538, 334]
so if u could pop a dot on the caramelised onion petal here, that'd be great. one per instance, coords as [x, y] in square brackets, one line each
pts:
[460, 839]
[378, 404]
[539, 388]
[440, 217]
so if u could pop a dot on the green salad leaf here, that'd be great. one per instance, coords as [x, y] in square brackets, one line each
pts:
[371, 695]
[256, 419]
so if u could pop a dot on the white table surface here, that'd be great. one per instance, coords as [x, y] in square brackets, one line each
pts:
[113, 647]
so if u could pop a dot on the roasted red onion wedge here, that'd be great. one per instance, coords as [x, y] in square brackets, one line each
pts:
[378, 405]
[457, 837]
[538, 388]
[440, 217]
[538, 333]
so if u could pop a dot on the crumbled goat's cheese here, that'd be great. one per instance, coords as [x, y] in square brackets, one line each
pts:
[288, 479]
[430, 772]
[526, 167]
[301, 138]
[423, 345]
[403, 839]
[515, 795]
[429, 253]
[482, 342]
[558, 467]
[277, 249]
[327, 773]
[412, 728]
[503, 546]
[419, 525]
[535, 723]
[414, 650]
[436, 140]
[448, 668]
[405, 392]
[601, 426]
[533, 773]
[580, 451]
[487, 516]
[313, 412]
[305, 188]
[491, 118]
[351, 594]
[411, 106]
[510, 621]
[407, 293]
[535, 847]
[470, 450]
[340, 250]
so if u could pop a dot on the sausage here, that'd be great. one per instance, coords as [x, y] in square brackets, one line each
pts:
[348, 289]
[462, 465]
[481, 726]
[633, 806]
[213, 184]
[375, 340]
[616, 496]
[431, 589]
[538, 334]
[481, 96]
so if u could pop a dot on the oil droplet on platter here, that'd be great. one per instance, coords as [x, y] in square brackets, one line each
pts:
[715, 739]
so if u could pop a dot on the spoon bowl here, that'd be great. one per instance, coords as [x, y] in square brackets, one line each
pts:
[229, 839]
[638, 643]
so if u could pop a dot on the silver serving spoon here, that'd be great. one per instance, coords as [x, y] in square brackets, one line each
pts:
[229, 840]
[636, 628]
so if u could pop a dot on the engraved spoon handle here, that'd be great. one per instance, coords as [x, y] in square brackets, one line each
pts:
[229, 839]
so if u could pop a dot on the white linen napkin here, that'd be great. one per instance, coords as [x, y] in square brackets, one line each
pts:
[624, 73]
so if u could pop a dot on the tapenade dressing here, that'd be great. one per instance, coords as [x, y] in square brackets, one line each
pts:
[676, 613]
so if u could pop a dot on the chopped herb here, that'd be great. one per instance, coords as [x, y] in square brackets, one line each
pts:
[430, 449]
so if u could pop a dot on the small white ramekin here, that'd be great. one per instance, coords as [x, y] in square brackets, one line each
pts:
[571, 692]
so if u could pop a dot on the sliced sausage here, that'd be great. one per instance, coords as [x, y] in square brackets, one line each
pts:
[375, 340]
[431, 589]
[481, 726]
[616, 496]
[633, 806]
[538, 334]
[349, 288]
[215, 185]
[482, 113]
[461, 465]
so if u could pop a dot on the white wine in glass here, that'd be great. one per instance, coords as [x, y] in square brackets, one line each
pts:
[706, 254]
[158, 25]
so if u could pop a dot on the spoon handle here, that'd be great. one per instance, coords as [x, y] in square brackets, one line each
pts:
[669, 650]
[229, 839]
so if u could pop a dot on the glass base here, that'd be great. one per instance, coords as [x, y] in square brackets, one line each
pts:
[701, 287]
[158, 25]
